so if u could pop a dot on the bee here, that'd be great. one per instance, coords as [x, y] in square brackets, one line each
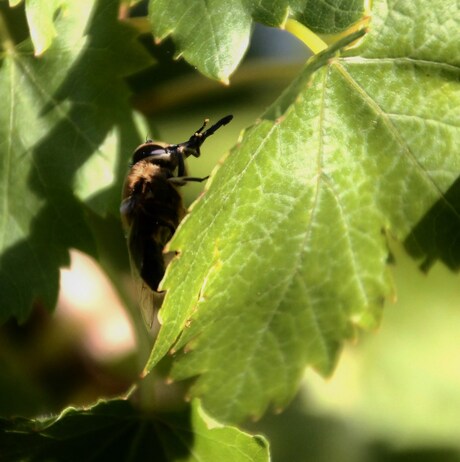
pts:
[152, 208]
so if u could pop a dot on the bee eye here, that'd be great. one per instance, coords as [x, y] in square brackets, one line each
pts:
[147, 150]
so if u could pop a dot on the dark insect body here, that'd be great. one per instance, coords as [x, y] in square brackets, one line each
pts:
[152, 208]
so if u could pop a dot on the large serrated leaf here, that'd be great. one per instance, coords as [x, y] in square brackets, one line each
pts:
[214, 35]
[57, 112]
[288, 250]
[114, 430]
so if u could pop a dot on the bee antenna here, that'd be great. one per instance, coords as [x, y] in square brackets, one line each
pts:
[192, 146]
[206, 121]
[210, 131]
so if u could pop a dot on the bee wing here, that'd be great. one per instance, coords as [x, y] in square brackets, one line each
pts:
[147, 268]
[149, 300]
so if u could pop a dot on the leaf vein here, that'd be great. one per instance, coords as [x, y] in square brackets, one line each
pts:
[393, 131]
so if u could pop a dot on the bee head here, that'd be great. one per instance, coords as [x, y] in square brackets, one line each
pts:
[148, 149]
[187, 148]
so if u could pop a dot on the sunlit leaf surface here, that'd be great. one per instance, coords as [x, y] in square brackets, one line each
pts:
[286, 253]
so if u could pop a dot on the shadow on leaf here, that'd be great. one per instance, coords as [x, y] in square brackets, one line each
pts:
[91, 101]
[437, 235]
[111, 430]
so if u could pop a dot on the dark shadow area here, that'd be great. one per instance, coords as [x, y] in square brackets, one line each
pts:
[44, 369]
[384, 453]
[112, 430]
[437, 235]
[16, 20]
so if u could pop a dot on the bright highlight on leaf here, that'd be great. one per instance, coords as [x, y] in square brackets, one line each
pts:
[40, 16]
[285, 255]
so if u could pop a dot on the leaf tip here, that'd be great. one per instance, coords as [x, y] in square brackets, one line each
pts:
[38, 51]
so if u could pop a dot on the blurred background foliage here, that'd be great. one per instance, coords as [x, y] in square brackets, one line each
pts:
[395, 395]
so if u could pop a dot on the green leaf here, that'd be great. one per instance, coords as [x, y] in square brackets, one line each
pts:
[51, 127]
[328, 17]
[214, 441]
[114, 430]
[40, 17]
[285, 254]
[214, 35]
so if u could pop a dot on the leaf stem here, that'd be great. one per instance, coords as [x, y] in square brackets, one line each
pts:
[305, 35]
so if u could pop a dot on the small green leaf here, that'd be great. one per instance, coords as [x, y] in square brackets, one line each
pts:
[213, 441]
[214, 35]
[285, 254]
[114, 430]
[211, 35]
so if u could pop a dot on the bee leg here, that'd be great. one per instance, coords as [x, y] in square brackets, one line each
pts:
[182, 180]
[181, 170]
